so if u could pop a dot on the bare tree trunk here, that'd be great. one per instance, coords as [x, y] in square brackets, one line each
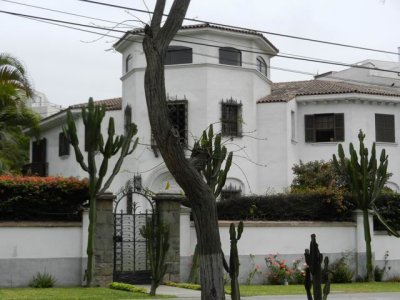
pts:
[202, 199]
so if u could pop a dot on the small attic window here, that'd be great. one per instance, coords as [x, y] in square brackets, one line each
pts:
[262, 66]
[177, 55]
[128, 63]
[230, 56]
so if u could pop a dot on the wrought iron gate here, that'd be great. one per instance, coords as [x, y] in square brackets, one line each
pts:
[131, 262]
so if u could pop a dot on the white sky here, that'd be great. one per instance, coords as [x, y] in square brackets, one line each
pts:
[69, 70]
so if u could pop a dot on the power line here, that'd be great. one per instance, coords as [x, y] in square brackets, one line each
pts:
[63, 12]
[196, 43]
[202, 44]
[118, 23]
[212, 56]
[251, 30]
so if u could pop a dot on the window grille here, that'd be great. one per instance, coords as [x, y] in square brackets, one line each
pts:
[231, 118]
[127, 118]
[230, 192]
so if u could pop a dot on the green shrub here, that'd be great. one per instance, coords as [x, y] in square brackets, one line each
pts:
[127, 287]
[41, 198]
[184, 285]
[42, 280]
[341, 273]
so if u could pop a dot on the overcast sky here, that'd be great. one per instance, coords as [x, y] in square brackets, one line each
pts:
[68, 69]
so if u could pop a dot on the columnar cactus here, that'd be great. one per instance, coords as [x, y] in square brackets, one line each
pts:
[208, 155]
[314, 275]
[233, 268]
[366, 180]
[92, 117]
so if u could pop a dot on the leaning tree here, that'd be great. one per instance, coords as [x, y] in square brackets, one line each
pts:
[198, 192]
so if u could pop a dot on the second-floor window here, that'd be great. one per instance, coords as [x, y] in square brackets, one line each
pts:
[230, 56]
[262, 66]
[324, 128]
[178, 55]
[128, 63]
[384, 128]
[231, 118]
[178, 117]
[63, 144]
[127, 118]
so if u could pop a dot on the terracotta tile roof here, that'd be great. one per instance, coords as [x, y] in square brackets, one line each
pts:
[111, 104]
[286, 91]
[205, 25]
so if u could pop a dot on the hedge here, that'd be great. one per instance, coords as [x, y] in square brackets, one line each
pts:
[388, 206]
[41, 198]
[305, 207]
[285, 207]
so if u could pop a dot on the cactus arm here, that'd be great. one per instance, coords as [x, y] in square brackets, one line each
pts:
[124, 152]
[70, 132]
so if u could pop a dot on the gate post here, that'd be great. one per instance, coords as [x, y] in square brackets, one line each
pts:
[168, 207]
[104, 248]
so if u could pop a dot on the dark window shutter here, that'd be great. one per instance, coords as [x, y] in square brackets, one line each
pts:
[178, 55]
[390, 131]
[384, 128]
[309, 128]
[339, 127]
[63, 144]
[230, 56]
[128, 118]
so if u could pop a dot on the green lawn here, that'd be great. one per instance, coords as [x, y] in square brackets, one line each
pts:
[70, 294]
[362, 287]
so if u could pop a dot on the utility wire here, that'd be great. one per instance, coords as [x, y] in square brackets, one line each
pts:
[139, 33]
[63, 12]
[212, 56]
[249, 29]
[118, 23]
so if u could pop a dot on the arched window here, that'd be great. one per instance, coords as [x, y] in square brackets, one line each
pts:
[262, 66]
[230, 56]
[178, 55]
[128, 63]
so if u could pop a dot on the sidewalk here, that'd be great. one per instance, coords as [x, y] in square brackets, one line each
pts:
[187, 294]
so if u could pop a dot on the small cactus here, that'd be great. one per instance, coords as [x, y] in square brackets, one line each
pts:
[315, 276]
[157, 235]
[233, 268]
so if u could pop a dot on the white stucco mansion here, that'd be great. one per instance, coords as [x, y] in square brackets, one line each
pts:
[221, 76]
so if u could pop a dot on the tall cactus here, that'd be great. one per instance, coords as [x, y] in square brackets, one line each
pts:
[366, 180]
[233, 267]
[92, 117]
[315, 276]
